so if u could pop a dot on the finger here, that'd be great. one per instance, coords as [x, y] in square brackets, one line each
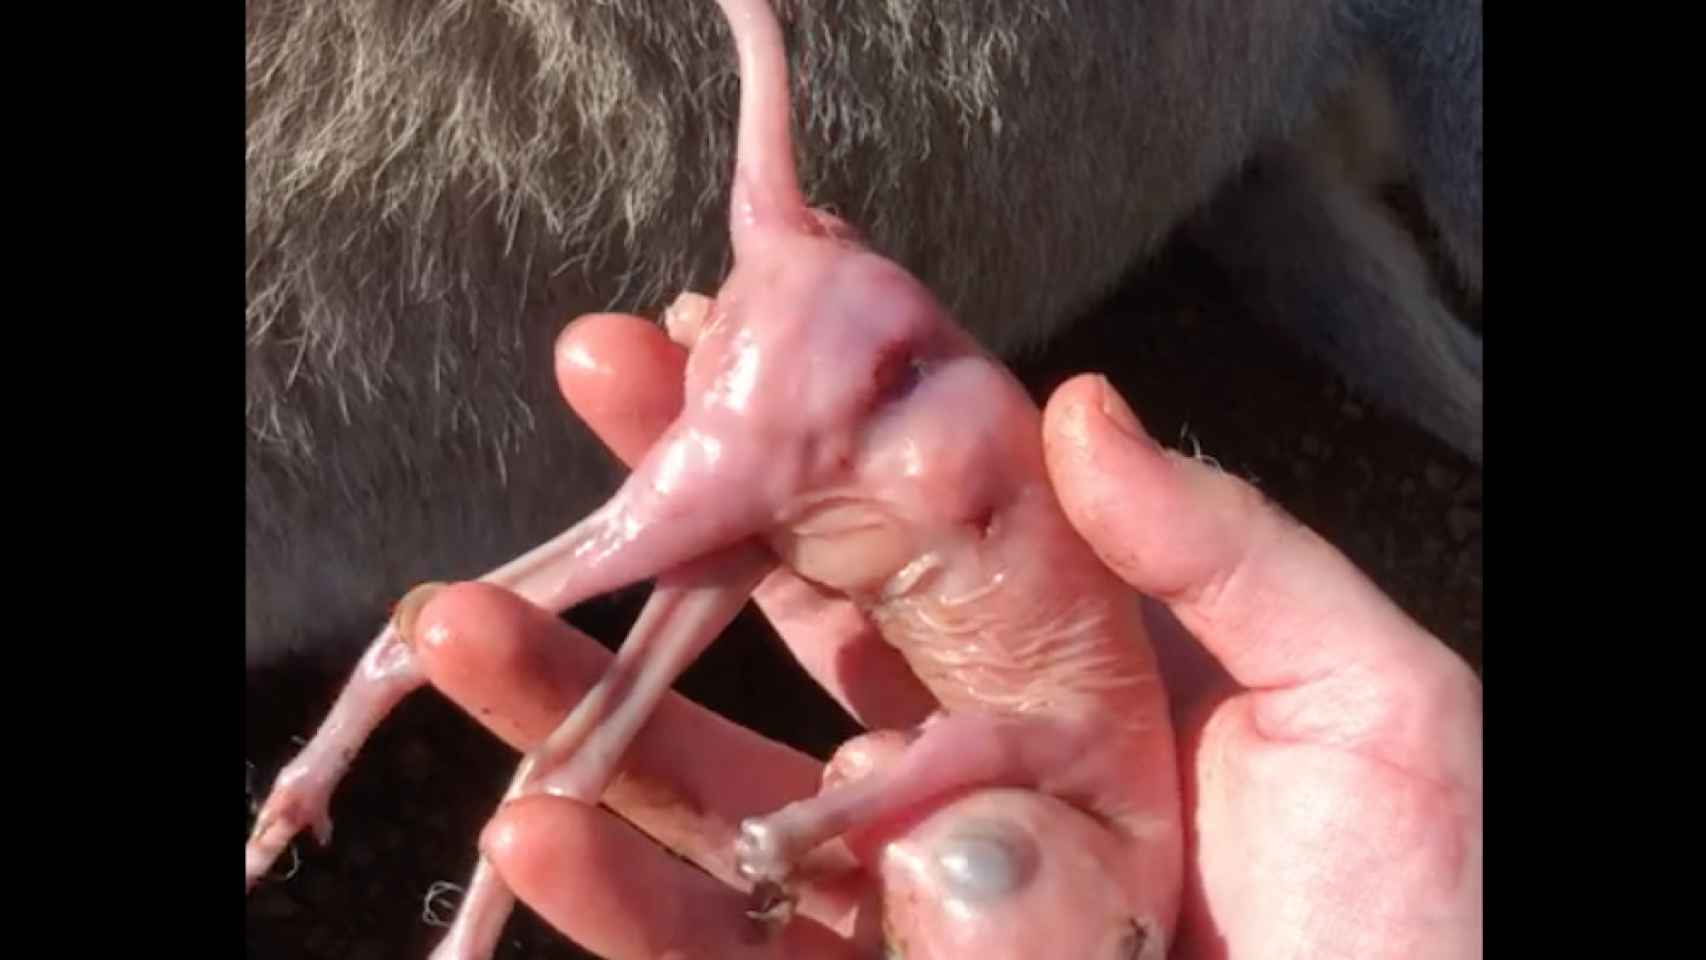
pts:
[843, 651]
[689, 777]
[1189, 673]
[595, 879]
[623, 376]
[1273, 602]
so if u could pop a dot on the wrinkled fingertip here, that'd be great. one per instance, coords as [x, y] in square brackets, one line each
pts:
[1120, 416]
[1067, 407]
[1107, 471]
[1086, 420]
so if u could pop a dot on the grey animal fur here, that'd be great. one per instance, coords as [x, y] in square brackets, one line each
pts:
[434, 188]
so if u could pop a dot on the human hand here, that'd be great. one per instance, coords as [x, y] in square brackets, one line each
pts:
[693, 776]
[1037, 871]
[1330, 748]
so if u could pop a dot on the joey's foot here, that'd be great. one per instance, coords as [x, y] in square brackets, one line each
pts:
[302, 795]
[763, 853]
[300, 799]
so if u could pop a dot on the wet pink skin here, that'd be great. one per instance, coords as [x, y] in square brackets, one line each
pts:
[838, 422]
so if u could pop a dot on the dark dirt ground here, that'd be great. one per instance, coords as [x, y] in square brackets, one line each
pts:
[1402, 506]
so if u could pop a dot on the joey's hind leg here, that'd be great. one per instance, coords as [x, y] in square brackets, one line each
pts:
[301, 796]
[953, 753]
[580, 758]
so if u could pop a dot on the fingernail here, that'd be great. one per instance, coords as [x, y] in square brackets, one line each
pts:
[685, 317]
[409, 609]
[1119, 414]
[498, 838]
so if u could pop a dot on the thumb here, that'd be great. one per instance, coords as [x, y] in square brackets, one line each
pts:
[1274, 603]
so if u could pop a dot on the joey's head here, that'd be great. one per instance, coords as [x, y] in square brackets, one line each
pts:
[812, 334]
[830, 402]
[828, 392]
[864, 420]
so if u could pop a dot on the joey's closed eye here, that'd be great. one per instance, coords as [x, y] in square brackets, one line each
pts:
[898, 370]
